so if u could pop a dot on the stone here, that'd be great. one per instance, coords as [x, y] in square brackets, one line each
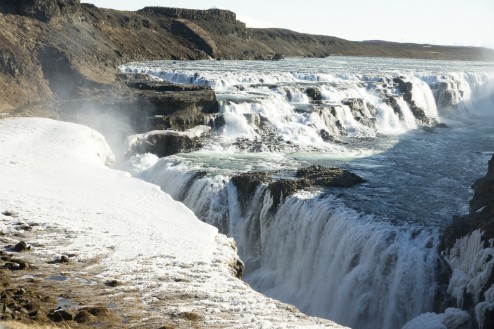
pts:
[277, 57]
[21, 246]
[246, 185]
[313, 93]
[165, 143]
[113, 283]
[329, 177]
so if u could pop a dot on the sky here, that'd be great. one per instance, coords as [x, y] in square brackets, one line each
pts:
[442, 22]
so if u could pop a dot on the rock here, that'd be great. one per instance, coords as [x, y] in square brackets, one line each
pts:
[283, 188]
[277, 57]
[113, 283]
[168, 142]
[21, 246]
[329, 177]
[313, 93]
[59, 315]
[247, 184]
[10, 213]
[406, 88]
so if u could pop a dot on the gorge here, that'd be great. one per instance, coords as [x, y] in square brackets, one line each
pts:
[337, 176]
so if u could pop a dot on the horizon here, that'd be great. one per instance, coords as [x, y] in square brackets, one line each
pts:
[451, 23]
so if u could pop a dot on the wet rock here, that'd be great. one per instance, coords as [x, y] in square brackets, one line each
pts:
[481, 214]
[420, 115]
[246, 185]
[167, 142]
[329, 177]
[277, 57]
[59, 315]
[283, 188]
[313, 93]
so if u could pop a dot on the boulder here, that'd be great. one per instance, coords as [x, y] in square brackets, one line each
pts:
[313, 93]
[167, 142]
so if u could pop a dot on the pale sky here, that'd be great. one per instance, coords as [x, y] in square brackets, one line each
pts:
[444, 22]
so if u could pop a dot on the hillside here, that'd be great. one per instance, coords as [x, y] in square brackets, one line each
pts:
[49, 50]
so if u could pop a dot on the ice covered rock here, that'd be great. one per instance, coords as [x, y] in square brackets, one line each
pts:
[167, 142]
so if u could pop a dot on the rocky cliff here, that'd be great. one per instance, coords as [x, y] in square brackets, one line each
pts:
[51, 49]
[468, 247]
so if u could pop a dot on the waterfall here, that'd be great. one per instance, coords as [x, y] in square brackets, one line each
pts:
[315, 252]
[312, 249]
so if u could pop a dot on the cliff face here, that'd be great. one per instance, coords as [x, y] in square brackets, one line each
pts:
[50, 49]
[468, 247]
[481, 214]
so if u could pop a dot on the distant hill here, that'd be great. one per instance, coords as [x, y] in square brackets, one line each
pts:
[51, 48]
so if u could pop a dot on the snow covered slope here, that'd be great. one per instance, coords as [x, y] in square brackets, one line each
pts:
[53, 174]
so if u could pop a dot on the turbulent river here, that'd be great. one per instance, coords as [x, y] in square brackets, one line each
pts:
[418, 132]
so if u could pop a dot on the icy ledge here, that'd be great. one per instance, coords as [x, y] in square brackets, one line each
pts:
[53, 175]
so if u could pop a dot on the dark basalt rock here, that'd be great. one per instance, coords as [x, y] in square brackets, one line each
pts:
[313, 93]
[285, 187]
[329, 177]
[21, 246]
[481, 215]
[167, 143]
[406, 88]
[305, 178]
[247, 184]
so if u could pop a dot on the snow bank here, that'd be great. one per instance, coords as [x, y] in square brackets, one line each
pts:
[452, 318]
[54, 174]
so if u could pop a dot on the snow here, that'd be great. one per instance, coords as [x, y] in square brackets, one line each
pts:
[452, 318]
[55, 174]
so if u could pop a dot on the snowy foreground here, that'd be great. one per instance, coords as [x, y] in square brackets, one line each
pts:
[54, 175]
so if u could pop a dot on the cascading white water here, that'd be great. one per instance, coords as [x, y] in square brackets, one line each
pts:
[314, 251]
[282, 99]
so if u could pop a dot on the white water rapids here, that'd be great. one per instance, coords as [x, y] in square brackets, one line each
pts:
[365, 257]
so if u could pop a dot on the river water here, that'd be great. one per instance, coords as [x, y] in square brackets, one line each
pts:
[364, 256]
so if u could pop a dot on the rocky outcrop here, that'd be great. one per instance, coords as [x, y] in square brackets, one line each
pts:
[481, 215]
[329, 177]
[168, 142]
[144, 104]
[467, 245]
[304, 178]
[419, 113]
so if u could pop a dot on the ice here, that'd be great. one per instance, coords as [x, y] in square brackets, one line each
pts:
[452, 318]
[55, 174]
